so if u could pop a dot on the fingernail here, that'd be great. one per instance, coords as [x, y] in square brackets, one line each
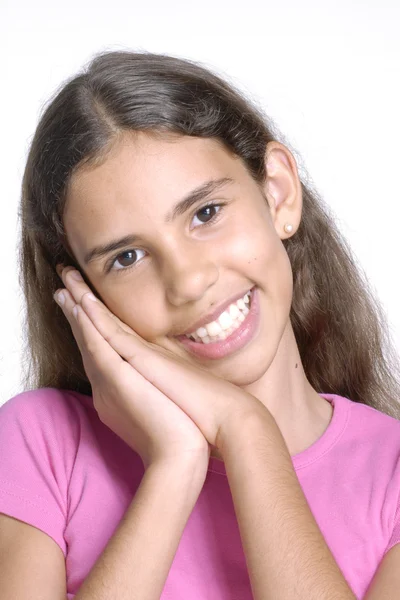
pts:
[76, 275]
[59, 298]
[59, 269]
[91, 297]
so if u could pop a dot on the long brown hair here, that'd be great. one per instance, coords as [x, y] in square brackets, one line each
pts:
[340, 327]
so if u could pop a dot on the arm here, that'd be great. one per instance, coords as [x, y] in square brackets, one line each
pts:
[32, 564]
[137, 559]
[286, 554]
[386, 582]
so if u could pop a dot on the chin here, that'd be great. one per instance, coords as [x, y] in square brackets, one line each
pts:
[246, 374]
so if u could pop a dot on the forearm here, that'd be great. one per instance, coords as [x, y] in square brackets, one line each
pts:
[137, 559]
[286, 554]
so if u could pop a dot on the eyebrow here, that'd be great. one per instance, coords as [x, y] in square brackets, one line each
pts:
[199, 193]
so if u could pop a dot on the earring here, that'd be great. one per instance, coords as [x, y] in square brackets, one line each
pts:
[288, 228]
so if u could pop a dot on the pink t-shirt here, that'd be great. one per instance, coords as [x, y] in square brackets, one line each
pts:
[63, 471]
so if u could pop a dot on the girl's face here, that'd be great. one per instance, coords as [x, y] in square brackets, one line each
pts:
[178, 268]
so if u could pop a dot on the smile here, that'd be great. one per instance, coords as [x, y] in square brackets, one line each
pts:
[229, 320]
[236, 330]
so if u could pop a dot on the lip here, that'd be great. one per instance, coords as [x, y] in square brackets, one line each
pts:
[212, 316]
[240, 338]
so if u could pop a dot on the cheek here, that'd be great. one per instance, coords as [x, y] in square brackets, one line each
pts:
[261, 255]
[255, 245]
[279, 282]
[139, 310]
[244, 247]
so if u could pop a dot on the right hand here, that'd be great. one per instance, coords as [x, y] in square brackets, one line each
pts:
[147, 420]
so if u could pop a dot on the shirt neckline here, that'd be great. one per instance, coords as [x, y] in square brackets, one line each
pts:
[335, 429]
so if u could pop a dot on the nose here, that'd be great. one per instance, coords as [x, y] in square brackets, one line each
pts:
[188, 274]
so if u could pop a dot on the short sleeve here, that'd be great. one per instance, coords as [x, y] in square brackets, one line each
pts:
[395, 486]
[395, 539]
[38, 435]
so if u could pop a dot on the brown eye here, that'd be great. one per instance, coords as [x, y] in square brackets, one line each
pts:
[125, 260]
[209, 211]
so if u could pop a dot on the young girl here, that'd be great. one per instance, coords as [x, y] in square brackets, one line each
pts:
[214, 412]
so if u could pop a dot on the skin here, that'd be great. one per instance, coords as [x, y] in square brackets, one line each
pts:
[184, 268]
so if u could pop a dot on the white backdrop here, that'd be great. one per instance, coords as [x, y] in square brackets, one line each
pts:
[327, 72]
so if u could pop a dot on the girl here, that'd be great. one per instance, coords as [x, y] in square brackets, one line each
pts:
[214, 411]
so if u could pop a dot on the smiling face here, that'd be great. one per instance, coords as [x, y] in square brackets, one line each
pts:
[172, 270]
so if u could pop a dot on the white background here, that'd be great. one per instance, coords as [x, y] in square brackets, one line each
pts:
[327, 72]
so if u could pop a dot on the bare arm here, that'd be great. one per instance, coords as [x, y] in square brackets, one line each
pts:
[286, 554]
[136, 562]
[32, 564]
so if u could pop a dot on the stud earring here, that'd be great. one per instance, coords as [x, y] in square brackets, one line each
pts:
[288, 228]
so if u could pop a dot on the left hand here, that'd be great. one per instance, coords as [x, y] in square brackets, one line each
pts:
[214, 404]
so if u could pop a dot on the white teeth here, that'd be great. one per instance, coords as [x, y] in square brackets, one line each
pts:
[234, 311]
[224, 320]
[225, 324]
[214, 328]
[201, 332]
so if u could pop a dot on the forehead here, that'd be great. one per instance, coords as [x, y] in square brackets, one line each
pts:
[140, 179]
[143, 163]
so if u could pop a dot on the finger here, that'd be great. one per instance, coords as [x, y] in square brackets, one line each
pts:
[205, 398]
[132, 347]
[94, 349]
[101, 361]
[74, 283]
[77, 287]
[110, 328]
[66, 302]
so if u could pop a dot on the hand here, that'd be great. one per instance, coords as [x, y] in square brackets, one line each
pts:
[141, 415]
[160, 404]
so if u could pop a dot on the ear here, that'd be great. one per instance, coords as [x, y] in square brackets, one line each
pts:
[282, 188]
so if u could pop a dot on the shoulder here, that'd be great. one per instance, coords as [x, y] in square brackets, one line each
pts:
[358, 428]
[374, 440]
[360, 416]
[45, 400]
[364, 418]
[59, 422]
[59, 414]
[370, 450]
[40, 434]
[368, 436]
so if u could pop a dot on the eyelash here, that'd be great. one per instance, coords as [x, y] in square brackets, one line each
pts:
[109, 266]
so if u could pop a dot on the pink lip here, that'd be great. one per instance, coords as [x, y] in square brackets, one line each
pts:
[212, 316]
[237, 340]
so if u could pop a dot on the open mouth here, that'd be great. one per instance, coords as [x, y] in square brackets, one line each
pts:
[228, 321]
[239, 332]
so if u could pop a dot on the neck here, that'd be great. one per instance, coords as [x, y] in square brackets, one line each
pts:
[300, 412]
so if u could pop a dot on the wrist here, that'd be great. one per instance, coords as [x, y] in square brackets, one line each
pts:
[247, 430]
[188, 468]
